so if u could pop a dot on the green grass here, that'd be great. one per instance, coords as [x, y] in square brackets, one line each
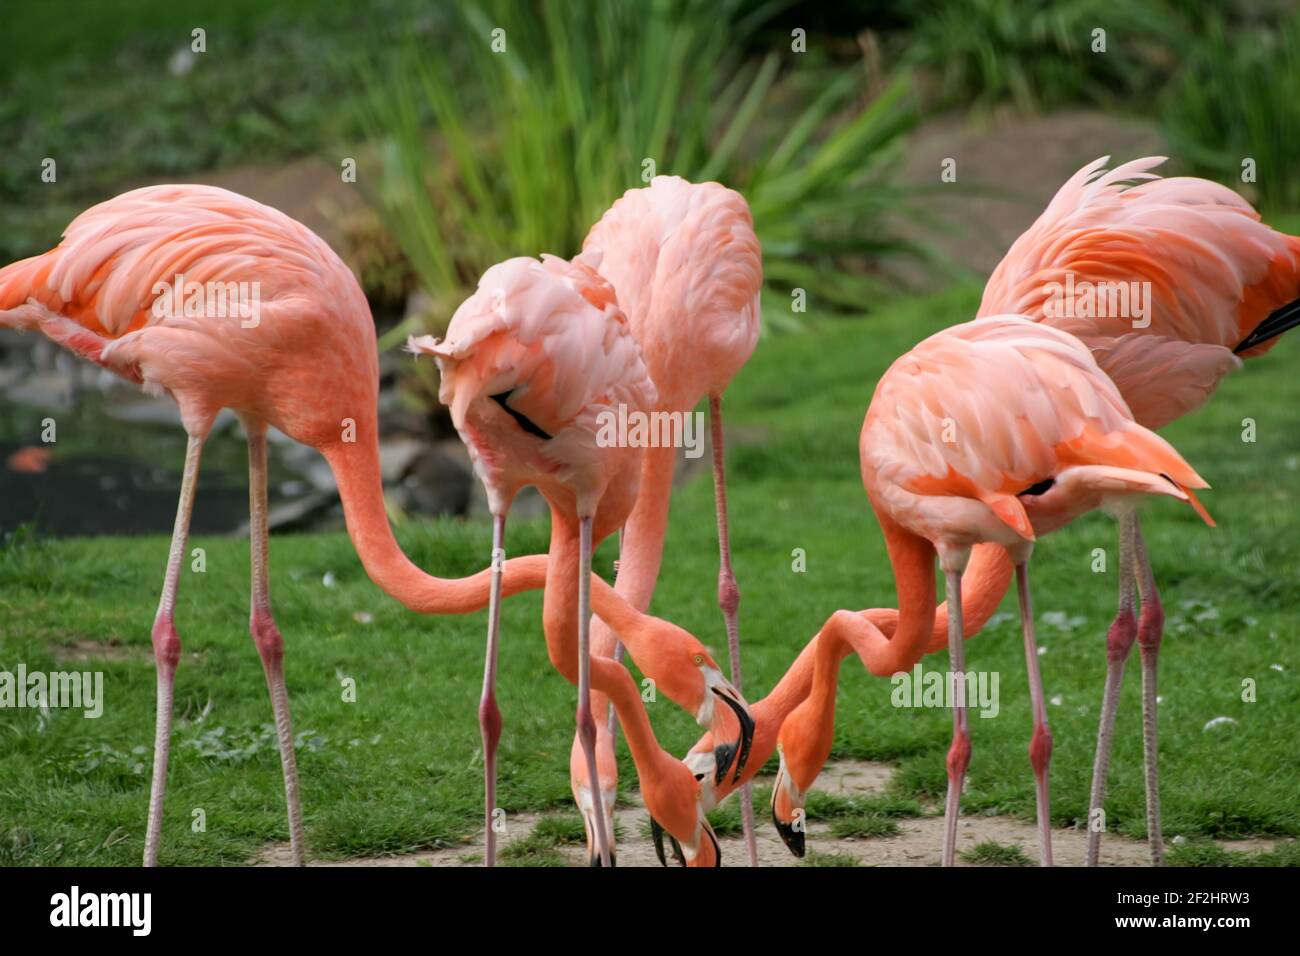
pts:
[400, 768]
[1203, 853]
[992, 853]
[830, 859]
[542, 846]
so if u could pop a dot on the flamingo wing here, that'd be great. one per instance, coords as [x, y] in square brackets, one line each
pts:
[688, 269]
[1211, 270]
[989, 409]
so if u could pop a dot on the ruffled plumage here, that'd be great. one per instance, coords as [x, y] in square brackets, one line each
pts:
[1213, 270]
[688, 268]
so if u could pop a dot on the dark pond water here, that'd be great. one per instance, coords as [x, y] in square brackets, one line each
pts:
[103, 476]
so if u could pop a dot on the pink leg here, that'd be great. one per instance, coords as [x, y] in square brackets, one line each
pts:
[959, 752]
[489, 715]
[619, 653]
[1150, 630]
[729, 601]
[1119, 643]
[266, 635]
[167, 650]
[586, 723]
[1040, 745]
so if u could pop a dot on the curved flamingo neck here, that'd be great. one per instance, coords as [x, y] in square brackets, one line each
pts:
[831, 649]
[912, 558]
[646, 527]
[356, 469]
[642, 545]
[560, 621]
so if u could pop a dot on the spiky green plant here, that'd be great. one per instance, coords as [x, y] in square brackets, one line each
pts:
[1041, 53]
[1237, 99]
[522, 149]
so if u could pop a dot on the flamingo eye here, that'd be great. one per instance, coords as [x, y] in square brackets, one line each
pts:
[699, 659]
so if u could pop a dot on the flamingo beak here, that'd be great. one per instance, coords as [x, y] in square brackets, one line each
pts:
[725, 753]
[793, 833]
[657, 833]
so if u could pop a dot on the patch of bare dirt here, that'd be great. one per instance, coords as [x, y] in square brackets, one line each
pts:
[1007, 168]
[919, 841]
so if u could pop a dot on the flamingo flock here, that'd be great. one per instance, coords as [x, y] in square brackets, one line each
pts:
[976, 442]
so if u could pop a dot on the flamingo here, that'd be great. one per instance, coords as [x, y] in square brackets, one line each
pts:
[534, 366]
[308, 366]
[687, 268]
[996, 431]
[1222, 286]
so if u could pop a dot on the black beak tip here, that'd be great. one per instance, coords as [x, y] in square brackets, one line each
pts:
[677, 850]
[746, 722]
[657, 833]
[723, 754]
[791, 837]
[717, 850]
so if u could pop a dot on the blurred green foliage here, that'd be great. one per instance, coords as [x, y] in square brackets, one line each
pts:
[534, 141]
[484, 155]
[114, 94]
[1040, 53]
[1237, 98]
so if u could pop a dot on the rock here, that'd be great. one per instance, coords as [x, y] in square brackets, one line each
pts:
[436, 482]
[397, 456]
[45, 390]
[299, 514]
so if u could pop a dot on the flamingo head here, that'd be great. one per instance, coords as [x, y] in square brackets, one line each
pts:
[533, 365]
[691, 678]
[676, 810]
[788, 809]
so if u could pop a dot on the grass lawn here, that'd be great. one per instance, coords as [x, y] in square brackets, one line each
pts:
[400, 768]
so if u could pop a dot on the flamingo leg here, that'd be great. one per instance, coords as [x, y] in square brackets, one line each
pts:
[729, 602]
[619, 653]
[266, 634]
[1149, 632]
[1040, 744]
[959, 752]
[489, 714]
[586, 723]
[1119, 643]
[167, 649]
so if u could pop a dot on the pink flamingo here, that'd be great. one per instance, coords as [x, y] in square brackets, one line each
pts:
[304, 362]
[687, 268]
[1056, 444]
[536, 366]
[996, 431]
[1218, 284]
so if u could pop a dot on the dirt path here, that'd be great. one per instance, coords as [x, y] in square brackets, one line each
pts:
[917, 843]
